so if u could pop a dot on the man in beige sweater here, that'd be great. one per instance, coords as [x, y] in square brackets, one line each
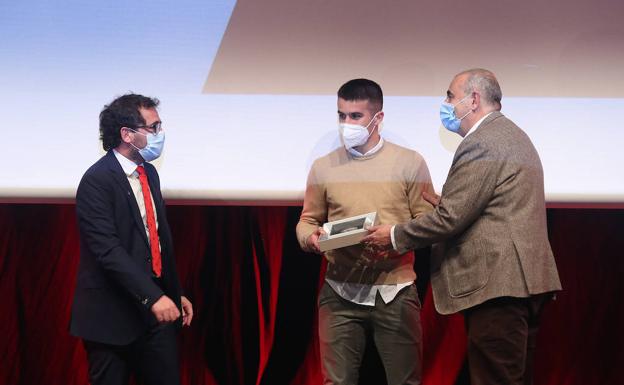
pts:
[366, 293]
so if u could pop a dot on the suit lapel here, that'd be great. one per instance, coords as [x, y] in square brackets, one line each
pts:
[163, 230]
[155, 190]
[152, 178]
[122, 183]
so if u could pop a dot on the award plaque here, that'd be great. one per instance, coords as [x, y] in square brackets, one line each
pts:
[346, 232]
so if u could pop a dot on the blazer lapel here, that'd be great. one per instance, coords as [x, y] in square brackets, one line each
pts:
[163, 229]
[154, 188]
[122, 182]
[157, 197]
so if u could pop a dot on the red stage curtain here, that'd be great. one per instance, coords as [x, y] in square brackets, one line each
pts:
[254, 294]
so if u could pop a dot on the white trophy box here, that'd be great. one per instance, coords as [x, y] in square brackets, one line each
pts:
[346, 232]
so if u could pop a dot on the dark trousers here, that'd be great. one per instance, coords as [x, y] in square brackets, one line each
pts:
[396, 331]
[501, 339]
[153, 359]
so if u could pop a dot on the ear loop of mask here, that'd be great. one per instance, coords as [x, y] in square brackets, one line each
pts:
[136, 132]
[371, 122]
[469, 111]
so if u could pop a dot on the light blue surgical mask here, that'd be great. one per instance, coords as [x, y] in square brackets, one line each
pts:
[448, 118]
[154, 147]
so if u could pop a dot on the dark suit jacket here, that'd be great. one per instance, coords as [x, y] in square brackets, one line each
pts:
[490, 223]
[115, 286]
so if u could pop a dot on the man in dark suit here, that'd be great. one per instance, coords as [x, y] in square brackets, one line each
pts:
[127, 302]
[493, 261]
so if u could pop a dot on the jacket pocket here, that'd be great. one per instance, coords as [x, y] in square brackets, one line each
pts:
[466, 269]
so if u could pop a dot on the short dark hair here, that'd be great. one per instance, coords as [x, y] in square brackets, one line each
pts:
[122, 112]
[362, 89]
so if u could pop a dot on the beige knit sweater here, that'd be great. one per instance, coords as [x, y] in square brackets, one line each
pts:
[390, 182]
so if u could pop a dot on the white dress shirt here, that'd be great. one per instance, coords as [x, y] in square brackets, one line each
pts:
[129, 168]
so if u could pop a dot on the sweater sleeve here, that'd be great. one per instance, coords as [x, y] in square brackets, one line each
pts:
[314, 208]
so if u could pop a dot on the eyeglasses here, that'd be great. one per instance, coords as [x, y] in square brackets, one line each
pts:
[154, 128]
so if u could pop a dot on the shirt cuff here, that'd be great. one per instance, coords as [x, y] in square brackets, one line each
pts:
[394, 246]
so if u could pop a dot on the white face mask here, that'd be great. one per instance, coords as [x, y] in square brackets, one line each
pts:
[354, 135]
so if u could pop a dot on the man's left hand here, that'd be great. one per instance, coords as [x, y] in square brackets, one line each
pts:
[379, 237]
[187, 311]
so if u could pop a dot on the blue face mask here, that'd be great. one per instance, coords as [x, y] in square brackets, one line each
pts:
[448, 118]
[154, 147]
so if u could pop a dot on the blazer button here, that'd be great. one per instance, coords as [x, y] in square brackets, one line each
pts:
[144, 301]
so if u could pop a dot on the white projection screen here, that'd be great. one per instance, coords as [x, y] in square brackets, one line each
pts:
[248, 87]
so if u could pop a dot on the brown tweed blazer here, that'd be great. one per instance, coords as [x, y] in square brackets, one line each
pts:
[489, 230]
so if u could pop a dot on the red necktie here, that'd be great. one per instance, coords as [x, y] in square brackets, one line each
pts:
[151, 222]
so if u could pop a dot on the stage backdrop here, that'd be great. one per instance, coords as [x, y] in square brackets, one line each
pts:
[248, 87]
[254, 294]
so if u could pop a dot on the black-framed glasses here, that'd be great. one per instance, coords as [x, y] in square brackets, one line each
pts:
[154, 128]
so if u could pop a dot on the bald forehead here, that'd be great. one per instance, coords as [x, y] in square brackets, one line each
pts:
[460, 79]
[456, 88]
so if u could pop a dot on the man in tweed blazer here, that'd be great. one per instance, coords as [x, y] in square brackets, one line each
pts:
[491, 257]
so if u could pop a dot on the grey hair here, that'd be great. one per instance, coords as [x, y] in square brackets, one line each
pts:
[485, 83]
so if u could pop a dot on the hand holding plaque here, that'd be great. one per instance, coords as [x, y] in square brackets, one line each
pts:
[346, 232]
